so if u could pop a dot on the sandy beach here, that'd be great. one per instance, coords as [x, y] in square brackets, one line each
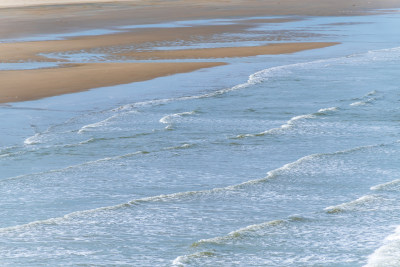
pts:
[205, 133]
[23, 19]
[80, 77]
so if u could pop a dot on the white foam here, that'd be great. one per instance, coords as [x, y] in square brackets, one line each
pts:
[75, 166]
[291, 122]
[179, 261]
[97, 124]
[33, 139]
[261, 76]
[360, 203]
[169, 118]
[291, 165]
[389, 186]
[288, 125]
[358, 103]
[248, 230]
[364, 102]
[301, 117]
[374, 92]
[184, 146]
[366, 99]
[71, 216]
[276, 172]
[388, 255]
[182, 260]
[11, 151]
[175, 196]
[325, 110]
[143, 104]
[253, 79]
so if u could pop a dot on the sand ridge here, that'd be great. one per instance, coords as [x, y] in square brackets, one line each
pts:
[17, 51]
[24, 85]
[225, 52]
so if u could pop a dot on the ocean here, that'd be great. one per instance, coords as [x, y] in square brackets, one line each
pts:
[275, 160]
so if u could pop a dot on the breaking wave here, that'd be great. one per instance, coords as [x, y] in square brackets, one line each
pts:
[170, 118]
[182, 260]
[388, 255]
[180, 195]
[366, 99]
[389, 186]
[363, 203]
[291, 123]
[246, 231]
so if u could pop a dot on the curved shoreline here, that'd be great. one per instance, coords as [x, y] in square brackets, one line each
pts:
[55, 17]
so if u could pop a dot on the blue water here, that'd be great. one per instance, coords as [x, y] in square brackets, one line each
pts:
[289, 160]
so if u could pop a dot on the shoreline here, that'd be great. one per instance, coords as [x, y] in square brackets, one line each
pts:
[26, 85]
[72, 78]
[52, 17]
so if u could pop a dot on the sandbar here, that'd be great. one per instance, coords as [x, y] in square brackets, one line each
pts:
[227, 52]
[23, 51]
[24, 85]
[50, 16]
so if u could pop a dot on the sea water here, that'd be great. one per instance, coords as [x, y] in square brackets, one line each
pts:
[287, 160]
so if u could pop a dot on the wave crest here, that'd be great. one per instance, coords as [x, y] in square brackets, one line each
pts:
[389, 186]
[388, 255]
[362, 203]
[291, 123]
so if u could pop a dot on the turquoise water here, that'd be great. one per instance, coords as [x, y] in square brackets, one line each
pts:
[289, 160]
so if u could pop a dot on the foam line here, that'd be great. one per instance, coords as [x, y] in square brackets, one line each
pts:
[253, 79]
[176, 196]
[366, 99]
[389, 186]
[169, 118]
[237, 234]
[75, 166]
[291, 122]
[388, 255]
[182, 260]
[32, 140]
[354, 205]
[97, 124]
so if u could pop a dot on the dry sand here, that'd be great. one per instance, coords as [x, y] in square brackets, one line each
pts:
[23, 85]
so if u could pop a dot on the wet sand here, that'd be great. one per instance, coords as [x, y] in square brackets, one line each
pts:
[24, 85]
[58, 17]
[22, 51]
[55, 17]
[225, 52]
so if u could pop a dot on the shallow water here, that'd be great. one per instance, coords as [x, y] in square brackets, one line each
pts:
[287, 160]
